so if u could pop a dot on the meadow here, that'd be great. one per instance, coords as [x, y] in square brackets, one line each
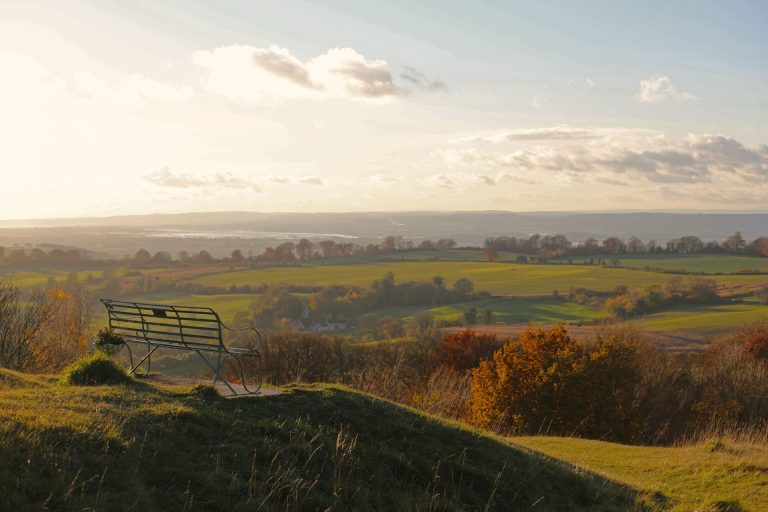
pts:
[534, 310]
[708, 320]
[497, 278]
[698, 263]
[521, 293]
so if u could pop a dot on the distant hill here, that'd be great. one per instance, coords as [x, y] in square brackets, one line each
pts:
[465, 227]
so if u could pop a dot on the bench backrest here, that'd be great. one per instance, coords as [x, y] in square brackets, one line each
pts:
[184, 325]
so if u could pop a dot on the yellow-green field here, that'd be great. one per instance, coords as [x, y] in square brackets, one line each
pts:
[540, 310]
[226, 305]
[499, 278]
[38, 277]
[707, 320]
[705, 263]
[714, 475]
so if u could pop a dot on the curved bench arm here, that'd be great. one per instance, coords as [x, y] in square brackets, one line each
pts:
[254, 352]
[255, 348]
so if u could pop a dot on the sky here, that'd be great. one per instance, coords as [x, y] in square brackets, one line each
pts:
[146, 106]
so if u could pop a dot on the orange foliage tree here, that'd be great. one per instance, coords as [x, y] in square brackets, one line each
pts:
[546, 382]
[529, 384]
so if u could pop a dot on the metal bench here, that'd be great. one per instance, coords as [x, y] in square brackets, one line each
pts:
[188, 328]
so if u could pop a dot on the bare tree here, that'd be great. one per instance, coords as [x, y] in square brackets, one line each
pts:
[21, 322]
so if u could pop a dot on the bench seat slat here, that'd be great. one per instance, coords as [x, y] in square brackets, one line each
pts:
[138, 321]
[150, 305]
[188, 345]
[169, 333]
[135, 313]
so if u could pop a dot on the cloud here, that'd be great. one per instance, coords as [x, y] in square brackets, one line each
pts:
[280, 62]
[418, 80]
[165, 177]
[311, 181]
[588, 83]
[618, 156]
[659, 88]
[561, 132]
[274, 74]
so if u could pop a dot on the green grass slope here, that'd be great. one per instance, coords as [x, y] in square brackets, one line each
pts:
[725, 475]
[500, 278]
[147, 447]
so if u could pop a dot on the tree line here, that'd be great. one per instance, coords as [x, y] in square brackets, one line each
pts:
[549, 246]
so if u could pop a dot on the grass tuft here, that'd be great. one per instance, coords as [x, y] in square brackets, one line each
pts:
[94, 370]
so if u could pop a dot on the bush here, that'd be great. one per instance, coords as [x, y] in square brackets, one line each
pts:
[733, 380]
[94, 370]
[529, 384]
[463, 350]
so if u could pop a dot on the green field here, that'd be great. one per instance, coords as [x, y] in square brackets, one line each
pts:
[707, 320]
[226, 305]
[724, 475]
[498, 278]
[547, 310]
[39, 277]
[703, 263]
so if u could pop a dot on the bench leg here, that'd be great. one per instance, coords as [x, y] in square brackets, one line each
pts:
[216, 372]
[145, 358]
[241, 371]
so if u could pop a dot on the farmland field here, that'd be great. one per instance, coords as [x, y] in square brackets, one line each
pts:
[704, 263]
[708, 320]
[39, 276]
[499, 278]
[226, 305]
[505, 310]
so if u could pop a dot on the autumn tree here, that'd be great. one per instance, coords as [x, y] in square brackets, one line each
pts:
[529, 383]
[304, 249]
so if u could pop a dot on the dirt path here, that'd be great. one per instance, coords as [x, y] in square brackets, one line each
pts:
[220, 387]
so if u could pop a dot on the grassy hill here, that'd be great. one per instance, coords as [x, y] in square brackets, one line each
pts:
[147, 447]
[321, 447]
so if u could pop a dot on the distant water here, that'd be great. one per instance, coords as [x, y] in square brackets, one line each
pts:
[243, 234]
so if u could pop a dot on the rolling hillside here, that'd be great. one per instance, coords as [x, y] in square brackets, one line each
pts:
[319, 447]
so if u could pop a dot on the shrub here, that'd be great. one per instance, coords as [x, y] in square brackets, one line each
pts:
[732, 382]
[529, 384]
[94, 370]
[464, 350]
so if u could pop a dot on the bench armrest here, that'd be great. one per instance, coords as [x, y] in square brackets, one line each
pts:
[253, 346]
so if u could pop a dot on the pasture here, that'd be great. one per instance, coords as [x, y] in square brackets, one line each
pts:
[539, 310]
[508, 279]
[38, 277]
[226, 305]
[696, 263]
[708, 320]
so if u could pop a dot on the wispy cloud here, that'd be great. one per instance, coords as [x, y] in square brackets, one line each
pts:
[659, 88]
[165, 177]
[274, 74]
[561, 132]
[418, 80]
